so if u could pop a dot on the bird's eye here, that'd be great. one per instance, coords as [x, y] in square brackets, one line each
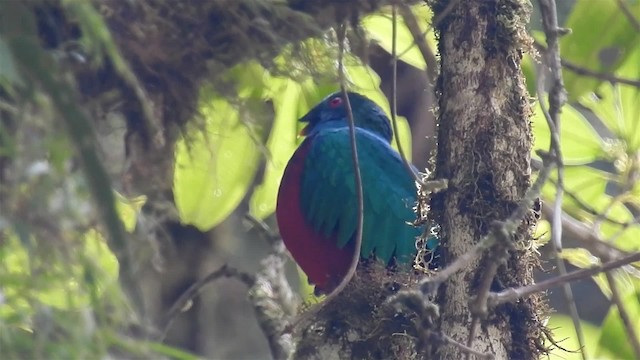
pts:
[335, 102]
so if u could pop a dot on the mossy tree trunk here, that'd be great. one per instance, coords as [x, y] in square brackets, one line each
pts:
[484, 145]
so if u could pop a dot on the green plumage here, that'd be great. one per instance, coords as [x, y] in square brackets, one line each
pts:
[329, 194]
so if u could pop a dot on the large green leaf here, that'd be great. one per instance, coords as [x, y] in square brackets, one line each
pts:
[580, 143]
[584, 182]
[379, 25]
[618, 106]
[601, 39]
[214, 166]
[614, 339]
[282, 142]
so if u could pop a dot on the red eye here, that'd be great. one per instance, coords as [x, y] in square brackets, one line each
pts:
[335, 102]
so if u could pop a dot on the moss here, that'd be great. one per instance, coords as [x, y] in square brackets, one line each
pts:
[360, 321]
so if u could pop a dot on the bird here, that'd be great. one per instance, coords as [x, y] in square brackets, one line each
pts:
[316, 207]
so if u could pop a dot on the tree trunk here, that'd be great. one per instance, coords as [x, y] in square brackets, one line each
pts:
[484, 145]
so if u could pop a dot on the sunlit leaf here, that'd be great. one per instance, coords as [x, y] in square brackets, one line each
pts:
[602, 50]
[580, 142]
[614, 338]
[60, 284]
[624, 237]
[619, 106]
[583, 182]
[542, 233]
[582, 258]
[215, 167]
[128, 209]
[281, 145]
[378, 26]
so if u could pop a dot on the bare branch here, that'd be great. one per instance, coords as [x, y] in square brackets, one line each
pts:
[465, 348]
[580, 70]
[430, 285]
[588, 239]
[394, 94]
[358, 183]
[599, 75]
[627, 12]
[184, 301]
[275, 305]
[356, 170]
[624, 314]
[514, 294]
[420, 41]
[557, 98]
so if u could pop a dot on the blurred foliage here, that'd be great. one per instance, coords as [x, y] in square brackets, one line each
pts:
[58, 279]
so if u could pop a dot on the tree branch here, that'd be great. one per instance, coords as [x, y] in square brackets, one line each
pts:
[511, 295]
[629, 325]
[557, 98]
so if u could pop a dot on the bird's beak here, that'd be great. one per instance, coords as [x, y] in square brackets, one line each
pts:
[305, 119]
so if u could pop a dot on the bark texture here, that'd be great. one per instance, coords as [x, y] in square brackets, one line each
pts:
[484, 144]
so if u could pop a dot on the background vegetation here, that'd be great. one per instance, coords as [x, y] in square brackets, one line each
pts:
[142, 144]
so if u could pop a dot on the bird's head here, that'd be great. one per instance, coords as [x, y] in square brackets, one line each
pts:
[331, 113]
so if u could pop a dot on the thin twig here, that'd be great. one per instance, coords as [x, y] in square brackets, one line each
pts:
[358, 183]
[394, 95]
[429, 285]
[419, 40]
[356, 170]
[599, 75]
[267, 233]
[181, 304]
[588, 239]
[557, 98]
[627, 12]
[580, 70]
[613, 286]
[465, 348]
[624, 314]
[419, 36]
[514, 294]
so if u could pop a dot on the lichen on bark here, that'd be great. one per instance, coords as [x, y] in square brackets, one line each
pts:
[484, 145]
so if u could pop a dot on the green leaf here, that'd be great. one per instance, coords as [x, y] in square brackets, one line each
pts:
[586, 183]
[379, 26]
[580, 142]
[614, 339]
[618, 107]
[564, 332]
[626, 238]
[282, 142]
[601, 39]
[582, 258]
[214, 166]
[128, 209]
